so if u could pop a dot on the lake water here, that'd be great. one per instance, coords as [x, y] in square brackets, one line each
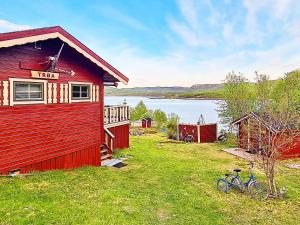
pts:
[188, 110]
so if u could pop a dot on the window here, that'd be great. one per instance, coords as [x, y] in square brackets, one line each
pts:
[80, 91]
[28, 91]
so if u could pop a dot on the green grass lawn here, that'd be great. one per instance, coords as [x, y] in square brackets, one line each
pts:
[164, 183]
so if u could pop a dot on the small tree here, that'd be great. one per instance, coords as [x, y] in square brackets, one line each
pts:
[160, 118]
[239, 98]
[138, 112]
[172, 126]
[273, 134]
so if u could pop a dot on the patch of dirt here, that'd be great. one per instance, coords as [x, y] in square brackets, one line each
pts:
[162, 214]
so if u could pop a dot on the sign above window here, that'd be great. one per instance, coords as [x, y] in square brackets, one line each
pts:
[44, 75]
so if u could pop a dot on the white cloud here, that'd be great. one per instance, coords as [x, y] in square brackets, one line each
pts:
[114, 14]
[190, 29]
[189, 10]
[178, 69]
[6, 26]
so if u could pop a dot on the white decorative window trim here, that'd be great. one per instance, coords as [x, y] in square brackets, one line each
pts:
[5, 93]
[11, 91]
[54, 93]
[66, 93]
[61, 92]
[50, 93]
[94, 93]
[97, 93]
[80, 100]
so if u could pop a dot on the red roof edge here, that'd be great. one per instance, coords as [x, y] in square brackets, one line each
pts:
[46, 30]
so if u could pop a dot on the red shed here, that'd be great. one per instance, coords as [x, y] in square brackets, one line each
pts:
[146, 122]
[198, 133]
[52, 103]
[263, 134]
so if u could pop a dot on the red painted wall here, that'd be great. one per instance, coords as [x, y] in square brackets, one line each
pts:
[294, 151]
[121, 134]
[292, 144]
[66, 134]
[208, 132]
[146, 123]
[188, 129]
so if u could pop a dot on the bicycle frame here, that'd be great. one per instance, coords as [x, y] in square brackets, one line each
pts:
[250, 179]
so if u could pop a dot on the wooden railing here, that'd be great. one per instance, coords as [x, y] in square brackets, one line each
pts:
[116, 114]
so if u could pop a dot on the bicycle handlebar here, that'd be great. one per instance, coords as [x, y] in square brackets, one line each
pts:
[251, 164]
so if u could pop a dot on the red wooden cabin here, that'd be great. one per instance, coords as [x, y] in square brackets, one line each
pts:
[146, 123]
[200, 133]
[254, 132]
[52, 103]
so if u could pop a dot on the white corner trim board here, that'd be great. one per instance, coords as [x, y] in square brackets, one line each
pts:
[53, 35]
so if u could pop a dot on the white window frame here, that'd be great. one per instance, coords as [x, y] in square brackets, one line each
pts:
[12, 91]
[80, 100]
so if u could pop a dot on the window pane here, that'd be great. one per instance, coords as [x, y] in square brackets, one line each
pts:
[76, 94]
[84, 88]
[22, 96]
[75, 88]
[35, 87]
[84, 94]
[80, 91]
[28, 91]
[21, 87]
[36, 95]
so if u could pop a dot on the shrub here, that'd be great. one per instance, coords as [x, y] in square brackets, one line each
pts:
[172, 126]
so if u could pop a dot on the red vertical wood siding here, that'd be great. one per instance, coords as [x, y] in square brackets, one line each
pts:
[208, 133]
[294, 151]
[188, 129]
[146, 123]
[121, 134]
[60, 136]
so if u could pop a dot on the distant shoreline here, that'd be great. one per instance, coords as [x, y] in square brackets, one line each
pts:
[168, 97]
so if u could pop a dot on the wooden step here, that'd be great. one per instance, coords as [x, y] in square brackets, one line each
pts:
[104, 157]
[103, 151]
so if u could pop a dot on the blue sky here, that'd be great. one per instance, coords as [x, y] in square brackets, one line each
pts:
[174, 42]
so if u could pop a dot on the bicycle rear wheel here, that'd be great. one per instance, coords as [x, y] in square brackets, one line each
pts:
[259, 190]
[222, 185]
[236, 184]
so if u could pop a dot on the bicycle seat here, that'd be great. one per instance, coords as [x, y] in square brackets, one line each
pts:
[237, 170]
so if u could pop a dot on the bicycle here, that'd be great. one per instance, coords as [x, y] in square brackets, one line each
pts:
[257, 190]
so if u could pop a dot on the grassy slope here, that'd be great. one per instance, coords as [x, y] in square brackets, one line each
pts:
[163, 184]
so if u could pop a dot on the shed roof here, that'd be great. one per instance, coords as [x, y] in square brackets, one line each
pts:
[271, 125]
[147, 119]
[33, 35]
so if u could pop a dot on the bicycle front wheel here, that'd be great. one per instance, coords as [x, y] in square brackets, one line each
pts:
[258, 190]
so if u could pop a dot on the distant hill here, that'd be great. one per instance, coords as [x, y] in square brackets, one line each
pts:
[196, 90]
[206, 86]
